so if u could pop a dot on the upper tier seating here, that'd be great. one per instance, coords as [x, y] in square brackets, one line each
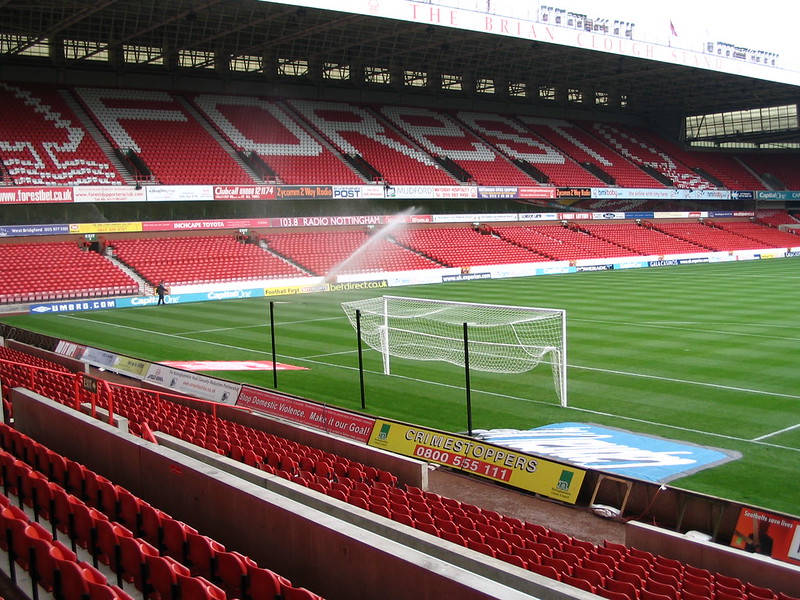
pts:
[642, 240]
[562, 243]
[173, 144]
[465, 247]
[200, 259]
[516, 141]
[631, 145]
[358, 130]
[781, 166]
[732, 174]
[441, 136]
[257, 125]
[193, 139]
[58, 271]
[42, 142]
[583, 147]
[325, 251]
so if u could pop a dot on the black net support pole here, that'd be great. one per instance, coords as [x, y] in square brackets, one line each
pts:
[360, 359]
[467, 383]
[272, 336]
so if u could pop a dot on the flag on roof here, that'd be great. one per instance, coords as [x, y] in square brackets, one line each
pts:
[672, 29]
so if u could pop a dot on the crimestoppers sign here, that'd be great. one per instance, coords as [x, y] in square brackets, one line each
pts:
[467, 454]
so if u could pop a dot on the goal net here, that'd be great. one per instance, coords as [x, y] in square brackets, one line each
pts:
[501, 339]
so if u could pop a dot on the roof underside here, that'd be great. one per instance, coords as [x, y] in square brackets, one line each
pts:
[231, 28]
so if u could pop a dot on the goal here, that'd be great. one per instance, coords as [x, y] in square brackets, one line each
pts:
[501, 339]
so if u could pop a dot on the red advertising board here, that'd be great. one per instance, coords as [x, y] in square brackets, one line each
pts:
[244, 192]
[325, 418]
[205, 224]
[772, 535]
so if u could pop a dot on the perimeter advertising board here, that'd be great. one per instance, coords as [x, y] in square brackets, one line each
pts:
[192, 384]
[503, 465]
[773, 535]
[325, 418]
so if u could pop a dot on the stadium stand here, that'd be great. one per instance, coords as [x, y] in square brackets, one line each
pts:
[520, 144]
[46, 144]
[176, 147]
[776, 218]
[443, 138]
[645, 239]
[726, 169]
[707, 236]
[576, 140]
[47, 271]
[143, 546]
[388, 144]
[88, 535]
[288, 149]
[627, 141]
[320, 252]
[562, 243]
[56, 271]
[464, 247]
[778, 168]
[360, 132]
[764, 236]
[200, 259]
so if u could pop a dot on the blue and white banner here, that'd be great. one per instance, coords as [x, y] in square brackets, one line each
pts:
[611, 450]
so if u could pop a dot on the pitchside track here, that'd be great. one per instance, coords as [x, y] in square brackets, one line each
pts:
[705, 354]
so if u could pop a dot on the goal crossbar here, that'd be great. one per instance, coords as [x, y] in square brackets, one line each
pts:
[501, 338]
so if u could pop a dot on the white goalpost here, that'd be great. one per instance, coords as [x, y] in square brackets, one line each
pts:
[501, 339]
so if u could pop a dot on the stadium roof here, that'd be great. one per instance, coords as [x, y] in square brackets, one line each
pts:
[651, 90]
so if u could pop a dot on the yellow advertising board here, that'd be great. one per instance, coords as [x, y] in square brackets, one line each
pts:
[504, 465]
[100, 228]
[295, 289]
[131, 366]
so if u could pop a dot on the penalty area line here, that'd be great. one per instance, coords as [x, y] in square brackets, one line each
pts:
[718, 386]
[780, 431]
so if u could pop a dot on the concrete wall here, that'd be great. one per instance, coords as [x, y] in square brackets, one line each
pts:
[672, 508]
[408, 471]
[328, 546]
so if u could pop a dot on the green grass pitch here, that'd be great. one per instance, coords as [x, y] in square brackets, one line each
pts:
[706, 354]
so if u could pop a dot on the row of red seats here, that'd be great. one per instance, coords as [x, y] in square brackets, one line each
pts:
[58, 271]
[140, 544]
[50, 564]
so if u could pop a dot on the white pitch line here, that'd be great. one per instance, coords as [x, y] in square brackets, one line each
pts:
[780, 431]
[172, 335]
[697, 328]
[489, 393]
[263, 325]
[718, 386]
